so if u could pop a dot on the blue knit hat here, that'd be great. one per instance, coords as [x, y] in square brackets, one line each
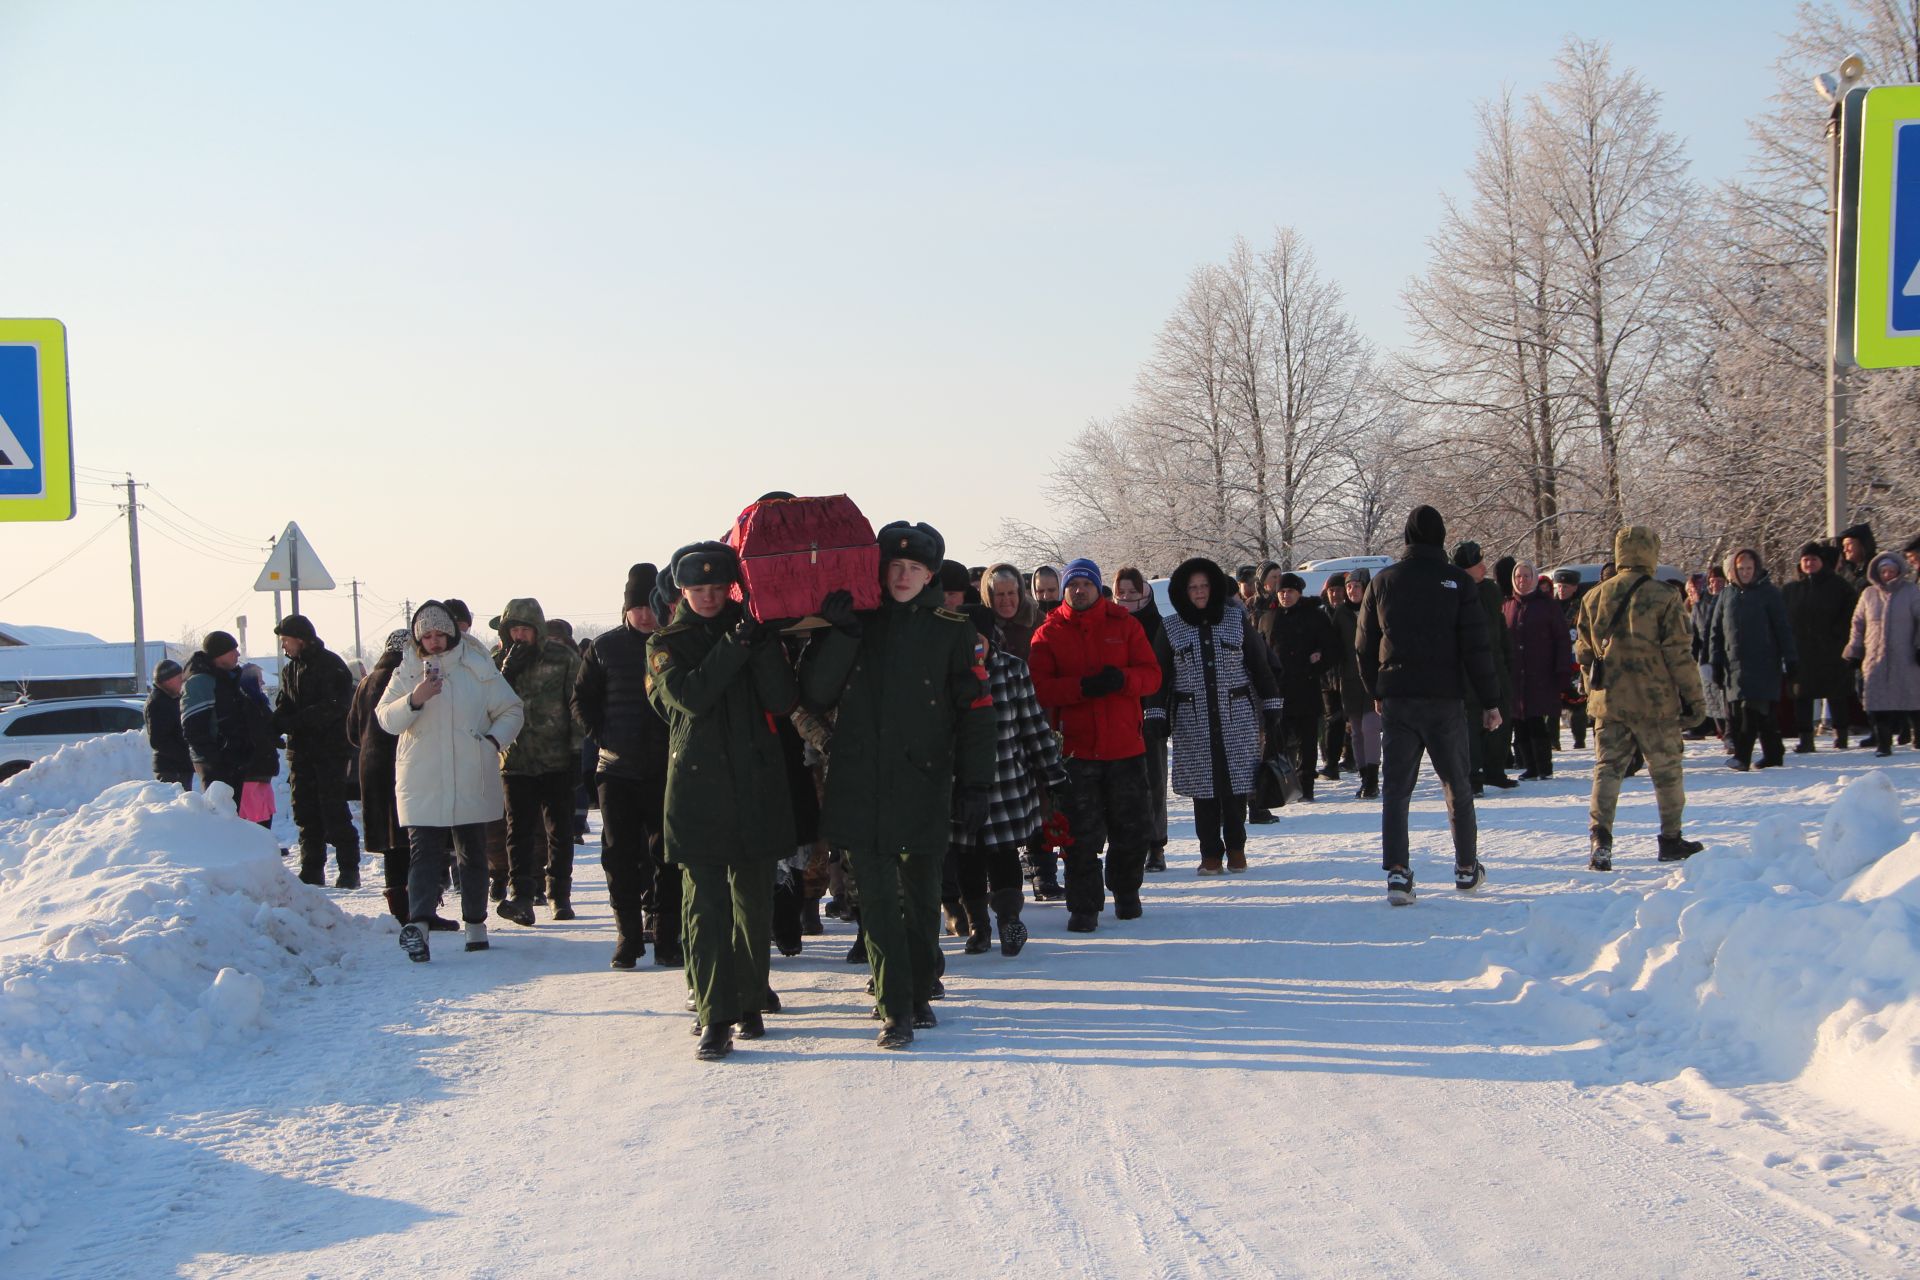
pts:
[1081, 568]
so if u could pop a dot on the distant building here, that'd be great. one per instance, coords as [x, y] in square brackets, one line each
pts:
[52, 662]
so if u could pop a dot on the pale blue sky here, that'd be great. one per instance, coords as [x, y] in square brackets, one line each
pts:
[496, 300]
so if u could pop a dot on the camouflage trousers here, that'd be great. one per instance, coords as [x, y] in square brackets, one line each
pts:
[1658, 741]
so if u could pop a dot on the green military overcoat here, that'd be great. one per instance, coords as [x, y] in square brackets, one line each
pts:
[914, 716]
[727, 795]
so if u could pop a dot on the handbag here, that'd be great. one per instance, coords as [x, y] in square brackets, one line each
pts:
[1276, 783]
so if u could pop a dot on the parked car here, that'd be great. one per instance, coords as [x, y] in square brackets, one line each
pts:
[1590, 573]
[32, 730]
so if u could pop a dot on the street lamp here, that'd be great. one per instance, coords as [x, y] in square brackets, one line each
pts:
[1833, 86]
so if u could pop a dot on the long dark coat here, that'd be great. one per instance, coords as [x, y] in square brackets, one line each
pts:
[1542, 653]
[914, 718]
[1752, 641]
[1820, 609]
[1296, 637]
[727, 799]
[379, 813]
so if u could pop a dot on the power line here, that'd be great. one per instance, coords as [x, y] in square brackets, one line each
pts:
[251, 544]
[161, 532]
[93, 538]
[207, 544]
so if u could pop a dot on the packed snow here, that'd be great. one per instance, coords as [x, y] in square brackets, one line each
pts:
[207, 1068]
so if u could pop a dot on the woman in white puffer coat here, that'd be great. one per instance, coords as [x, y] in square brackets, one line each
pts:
[454, 714]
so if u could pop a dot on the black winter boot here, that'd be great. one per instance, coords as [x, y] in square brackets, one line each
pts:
[786, 919]
[857, 953]
[896, 1034]
[563, 904]
[1157, 858]
[397, 904]
[1013, 934]
[349, 877]
[716, 1042]
[979, 927]
[810, 925]
[1600, 842]
[956, 915]
[1369, 783]
[1678, 848]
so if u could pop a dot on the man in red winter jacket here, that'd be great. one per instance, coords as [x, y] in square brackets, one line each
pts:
[1091, 666]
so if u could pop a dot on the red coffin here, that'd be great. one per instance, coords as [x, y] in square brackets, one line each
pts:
[795, 550]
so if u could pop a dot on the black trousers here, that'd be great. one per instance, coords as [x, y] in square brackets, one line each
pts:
[1333, 731]
[1533, 744]
[1220, 825]
[540, 833]
[427, 869]
[1110, 814]
[1300, 730]
[630, 854]
[1751, 718]
[1435, 726]
[978, 868]
[319, 787]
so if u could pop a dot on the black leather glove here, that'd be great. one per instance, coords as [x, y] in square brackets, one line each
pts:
[1156, 727]
[1106, 680]
[515, 661]
[747, 631]
[837, 609]
[976, 806]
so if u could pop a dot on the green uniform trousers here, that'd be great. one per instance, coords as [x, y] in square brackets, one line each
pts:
[1659, 741]
[900, 911]
[726, 931]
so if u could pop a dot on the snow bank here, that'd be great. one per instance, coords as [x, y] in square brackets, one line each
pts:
[142, 928]
[76, 773]
[1782, 961]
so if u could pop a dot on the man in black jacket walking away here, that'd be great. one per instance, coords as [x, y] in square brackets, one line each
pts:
[316, 692]
[1422, 645]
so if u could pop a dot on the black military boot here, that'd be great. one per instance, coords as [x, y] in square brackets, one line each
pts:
[857, 953]
[896, 1033]
[923, 1018]
[753, 1025]
[1157, 858]
[979, 927]
[562, 897]
[810, 925]
[349, 877]
[1369, 783]
[1600, 842]
[313, 867]
[1013, 934]
[1678, 848]
[716, 1042]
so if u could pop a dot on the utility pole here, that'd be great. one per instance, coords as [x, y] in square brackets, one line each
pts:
[355, 584]
[1836, 389]
[139, 612]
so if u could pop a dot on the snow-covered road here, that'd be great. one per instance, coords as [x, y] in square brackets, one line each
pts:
[1269, 1075]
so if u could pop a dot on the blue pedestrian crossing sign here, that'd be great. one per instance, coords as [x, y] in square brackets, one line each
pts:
[1886, 316]
[36, 439]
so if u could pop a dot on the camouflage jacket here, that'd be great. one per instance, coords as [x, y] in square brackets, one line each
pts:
[549, 741]
[1650, 672]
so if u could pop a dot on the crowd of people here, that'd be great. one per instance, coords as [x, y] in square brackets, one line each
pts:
[988, 735]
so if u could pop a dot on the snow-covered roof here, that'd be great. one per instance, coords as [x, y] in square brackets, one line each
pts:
[96, 661]
[12, 634]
